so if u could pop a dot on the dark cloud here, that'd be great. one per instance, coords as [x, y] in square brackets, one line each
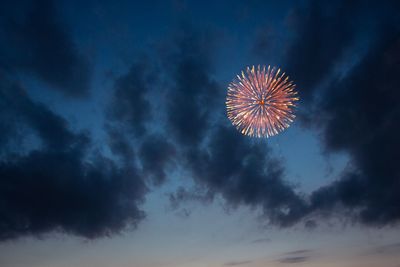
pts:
[57, 191]
[220, 160]
[360, 115]
[356, 112]
[59, 183]
[60, 186]
[155, 154]
[35, 41]
[130, 114]
[19, 109]
[246, 174]
[294, 259]
[323, 32]
[185, 195]
[193, 93]
[183, 213]
[310, 224]
[129, 106]
[120, 145]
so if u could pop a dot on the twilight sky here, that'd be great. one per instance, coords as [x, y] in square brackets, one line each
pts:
[115, 148]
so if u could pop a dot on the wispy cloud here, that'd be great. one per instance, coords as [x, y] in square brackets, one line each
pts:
[294, 259]
[261, 240]
[300, 251]
[236, 263]
[385, 249]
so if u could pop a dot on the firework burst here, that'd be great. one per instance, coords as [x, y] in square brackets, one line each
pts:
[260, 102]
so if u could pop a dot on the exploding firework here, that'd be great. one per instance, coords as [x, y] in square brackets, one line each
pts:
[260, 102]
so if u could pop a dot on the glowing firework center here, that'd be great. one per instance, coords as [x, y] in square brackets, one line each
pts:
[260, 102]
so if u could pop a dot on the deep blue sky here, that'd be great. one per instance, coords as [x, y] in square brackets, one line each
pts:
[113, 131]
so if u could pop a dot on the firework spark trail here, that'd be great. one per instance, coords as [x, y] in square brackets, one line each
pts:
[260, 102]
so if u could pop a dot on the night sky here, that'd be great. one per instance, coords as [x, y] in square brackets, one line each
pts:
[115, 147]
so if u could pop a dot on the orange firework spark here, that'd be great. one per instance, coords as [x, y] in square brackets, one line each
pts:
[260, 102]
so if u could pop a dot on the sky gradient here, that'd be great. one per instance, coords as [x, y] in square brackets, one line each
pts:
[115, 148]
